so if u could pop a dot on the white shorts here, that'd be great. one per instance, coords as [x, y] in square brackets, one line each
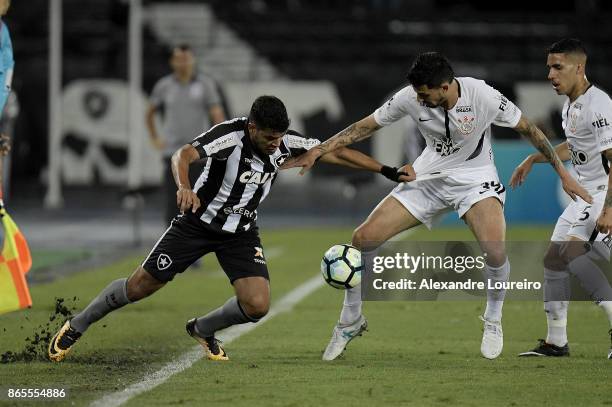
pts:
[579, 219]
[427, 199]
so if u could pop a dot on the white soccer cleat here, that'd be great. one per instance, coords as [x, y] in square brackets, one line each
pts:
[492, 339]
[342, 336]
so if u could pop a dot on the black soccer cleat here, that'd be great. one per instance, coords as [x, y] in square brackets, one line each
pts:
[212, 346]
[62, 342]
[547, 349]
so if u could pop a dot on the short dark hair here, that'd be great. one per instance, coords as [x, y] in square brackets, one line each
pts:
[567, 46]
[431, 69]
[269, 112]
[183, 47]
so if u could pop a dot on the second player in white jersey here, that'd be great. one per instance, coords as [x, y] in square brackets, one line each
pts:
[582, 232]
[587, 127]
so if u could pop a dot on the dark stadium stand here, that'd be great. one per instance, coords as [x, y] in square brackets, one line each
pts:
[348, 41]
[364, 47]
[94, 46]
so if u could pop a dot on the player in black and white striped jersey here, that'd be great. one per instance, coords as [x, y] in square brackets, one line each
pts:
[237, 178]
[217, 215]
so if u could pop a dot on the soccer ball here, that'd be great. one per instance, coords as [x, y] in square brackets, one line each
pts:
[341, 266]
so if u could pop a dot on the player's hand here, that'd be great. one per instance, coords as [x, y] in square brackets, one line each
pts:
[306, 161]
[604, 222]
[403, 174]
[573, 189]
[520, 173]
[186, 198]
[5, 144]
[406, 173]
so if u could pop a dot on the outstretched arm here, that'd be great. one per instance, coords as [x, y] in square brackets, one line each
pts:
[539, 140]
[355, 132]
[348, 157]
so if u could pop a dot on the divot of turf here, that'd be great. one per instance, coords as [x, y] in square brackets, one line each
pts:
[35, 347]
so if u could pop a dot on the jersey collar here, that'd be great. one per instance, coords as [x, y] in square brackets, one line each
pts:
[582, 94]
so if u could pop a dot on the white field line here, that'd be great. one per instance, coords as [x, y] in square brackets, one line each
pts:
[152, 380]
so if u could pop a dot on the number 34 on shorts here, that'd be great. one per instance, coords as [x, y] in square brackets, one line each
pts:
[494, 186]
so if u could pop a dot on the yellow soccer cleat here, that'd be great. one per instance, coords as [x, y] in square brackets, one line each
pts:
[62, 342]
[212, 346]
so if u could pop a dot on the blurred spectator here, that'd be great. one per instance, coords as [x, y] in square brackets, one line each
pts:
[189, 104]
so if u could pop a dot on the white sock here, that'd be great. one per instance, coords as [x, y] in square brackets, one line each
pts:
[591, 278]
[495, 297]
[556, 317]
[557, 293]
[351, 309]
[607, 307]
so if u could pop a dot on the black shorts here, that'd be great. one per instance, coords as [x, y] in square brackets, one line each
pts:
[188, 238]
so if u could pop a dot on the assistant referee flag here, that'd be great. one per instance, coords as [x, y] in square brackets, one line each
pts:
[15, 262]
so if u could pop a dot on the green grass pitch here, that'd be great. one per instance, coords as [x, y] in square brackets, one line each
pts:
[415, 353]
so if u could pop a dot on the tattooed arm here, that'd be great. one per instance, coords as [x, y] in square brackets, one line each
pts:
[355, 132]
[561, 149]
[608, 201]
[520, 173]
[604, 222]
[539, 140]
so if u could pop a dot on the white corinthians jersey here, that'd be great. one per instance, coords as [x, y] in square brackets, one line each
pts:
[587, 125]
[459, 138]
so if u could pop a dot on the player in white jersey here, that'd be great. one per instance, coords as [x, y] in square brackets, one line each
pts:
[587, 124]
[454, 115]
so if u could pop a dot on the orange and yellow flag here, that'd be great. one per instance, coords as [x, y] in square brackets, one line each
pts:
[15, 262]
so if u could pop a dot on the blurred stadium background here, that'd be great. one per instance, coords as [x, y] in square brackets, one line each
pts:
[84, 70]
